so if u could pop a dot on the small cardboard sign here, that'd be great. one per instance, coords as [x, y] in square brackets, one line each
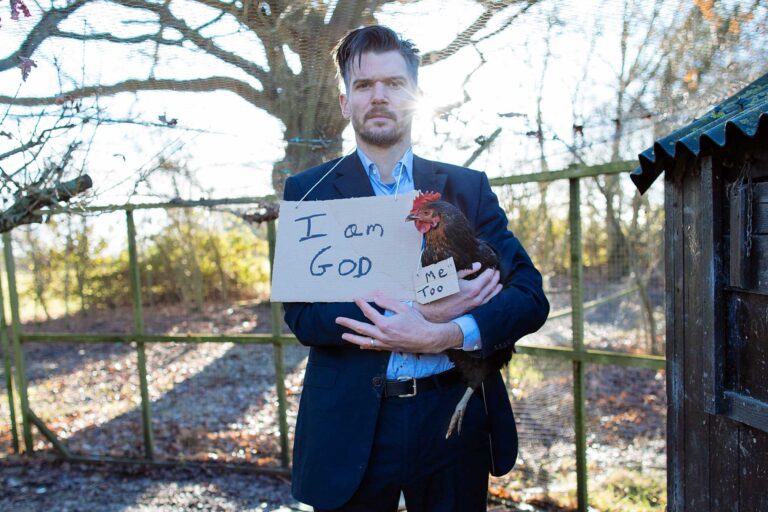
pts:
[436, 281]
[336, 250]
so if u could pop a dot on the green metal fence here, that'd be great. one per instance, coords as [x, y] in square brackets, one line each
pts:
[577, 353]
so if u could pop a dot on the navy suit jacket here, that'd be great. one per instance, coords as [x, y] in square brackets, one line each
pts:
[343, 384]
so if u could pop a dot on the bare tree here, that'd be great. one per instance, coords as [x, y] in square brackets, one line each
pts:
[282, 64]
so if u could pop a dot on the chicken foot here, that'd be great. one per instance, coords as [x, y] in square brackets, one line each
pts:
[458, 413]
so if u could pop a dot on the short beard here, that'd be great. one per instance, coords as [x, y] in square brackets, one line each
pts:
[378, 138]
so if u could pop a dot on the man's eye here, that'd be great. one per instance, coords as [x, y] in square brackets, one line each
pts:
[395, 84]
[362, 85]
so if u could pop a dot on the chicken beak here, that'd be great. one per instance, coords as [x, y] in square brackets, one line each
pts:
[411, 217]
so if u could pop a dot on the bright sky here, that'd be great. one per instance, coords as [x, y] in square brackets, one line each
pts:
[235, 157]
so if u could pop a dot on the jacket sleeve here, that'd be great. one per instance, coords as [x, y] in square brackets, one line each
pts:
[314, 323]
[521, 307]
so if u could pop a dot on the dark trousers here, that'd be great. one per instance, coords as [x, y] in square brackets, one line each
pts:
[410, 454]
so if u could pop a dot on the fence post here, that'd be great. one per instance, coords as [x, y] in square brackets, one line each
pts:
[21, 375]
[277, 331]
[138, 328]
[577, 327]
[8, 371]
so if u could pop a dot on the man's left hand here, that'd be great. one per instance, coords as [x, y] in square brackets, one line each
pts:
[405, 331]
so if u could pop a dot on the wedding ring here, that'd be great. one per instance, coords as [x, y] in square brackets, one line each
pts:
[373, 342]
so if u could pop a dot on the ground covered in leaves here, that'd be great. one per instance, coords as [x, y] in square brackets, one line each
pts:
[32, 486]
[215, 403]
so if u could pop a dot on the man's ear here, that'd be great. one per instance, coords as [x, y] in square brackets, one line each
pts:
[344, 104]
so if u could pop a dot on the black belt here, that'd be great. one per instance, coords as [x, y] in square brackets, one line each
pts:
[409, 386]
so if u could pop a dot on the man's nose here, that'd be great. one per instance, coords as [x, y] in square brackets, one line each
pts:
[379, 93]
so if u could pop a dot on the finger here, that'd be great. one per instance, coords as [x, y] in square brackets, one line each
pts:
[493, 293]
[369, 311]
[364, 342]
[482, 280]
[491, 289]
[389, 303]
[362, 328]
[476, 286]
[469, 271]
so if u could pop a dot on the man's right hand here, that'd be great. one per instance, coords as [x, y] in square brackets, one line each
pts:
[472, 293]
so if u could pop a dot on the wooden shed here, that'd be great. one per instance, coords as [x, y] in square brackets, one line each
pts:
[716, 243]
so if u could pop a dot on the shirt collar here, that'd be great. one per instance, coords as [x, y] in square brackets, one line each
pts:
[406, 161]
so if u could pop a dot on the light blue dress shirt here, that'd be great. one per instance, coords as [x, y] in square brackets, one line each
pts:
[403, 364]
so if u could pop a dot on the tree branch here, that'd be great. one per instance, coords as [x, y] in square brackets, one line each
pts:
[204, 43]
[209, 84]
[465, 37]
[23, 211]
[120, 40]
[33, 143]
[42, 31]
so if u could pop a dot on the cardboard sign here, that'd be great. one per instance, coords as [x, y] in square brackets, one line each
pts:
[436, 281]
[334, 251]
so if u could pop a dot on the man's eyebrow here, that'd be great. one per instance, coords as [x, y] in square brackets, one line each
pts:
[375, 79]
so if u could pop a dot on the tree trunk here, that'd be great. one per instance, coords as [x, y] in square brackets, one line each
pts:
[81, 264]
[223, 284]
[67, 261]
[39, 281]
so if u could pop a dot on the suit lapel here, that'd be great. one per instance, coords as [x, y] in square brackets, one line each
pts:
[351, 179]
[427, 177]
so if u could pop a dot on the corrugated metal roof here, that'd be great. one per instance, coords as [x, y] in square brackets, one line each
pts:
[743, 114]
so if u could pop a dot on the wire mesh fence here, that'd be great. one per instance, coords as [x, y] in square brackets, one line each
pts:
[541, 392]
[217, 401]
[205, 271]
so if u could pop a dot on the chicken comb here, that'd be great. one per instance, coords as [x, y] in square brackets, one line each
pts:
[424, 198]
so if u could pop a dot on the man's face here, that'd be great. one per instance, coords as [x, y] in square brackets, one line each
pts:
[380, 99]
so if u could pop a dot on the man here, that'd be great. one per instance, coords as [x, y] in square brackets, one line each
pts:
[379, 390]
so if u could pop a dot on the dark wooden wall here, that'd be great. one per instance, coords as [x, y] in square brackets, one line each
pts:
[715, 463]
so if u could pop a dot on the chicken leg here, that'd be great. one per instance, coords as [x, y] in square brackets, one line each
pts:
[458, 413]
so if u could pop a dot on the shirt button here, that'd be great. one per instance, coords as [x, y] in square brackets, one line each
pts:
[377, 381]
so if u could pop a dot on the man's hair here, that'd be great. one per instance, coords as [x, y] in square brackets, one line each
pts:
[376, 39]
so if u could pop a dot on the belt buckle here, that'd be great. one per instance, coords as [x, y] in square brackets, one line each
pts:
[405, 379]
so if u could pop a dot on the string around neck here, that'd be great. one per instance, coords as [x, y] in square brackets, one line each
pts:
[324, 176]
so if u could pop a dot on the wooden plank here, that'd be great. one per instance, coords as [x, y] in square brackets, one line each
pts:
[20, 371]
[569, 173]
[7, 366]
[56, 337]
[695, 439]
[277, 331]
[58, 445]
[724, 454]
[759, 264]
[592, 356]
[737, 236]
[179, 203]
[577, 328]
[753, 447]
[138, 328]
[760, 221]
[711, 276]
[747, 410]
[724, 464]
[675, 325]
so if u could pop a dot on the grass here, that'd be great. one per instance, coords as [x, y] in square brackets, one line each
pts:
[629, 491]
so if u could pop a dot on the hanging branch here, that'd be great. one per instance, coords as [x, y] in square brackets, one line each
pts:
[24, 210]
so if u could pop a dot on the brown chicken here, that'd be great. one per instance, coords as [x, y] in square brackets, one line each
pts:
[447, 233]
